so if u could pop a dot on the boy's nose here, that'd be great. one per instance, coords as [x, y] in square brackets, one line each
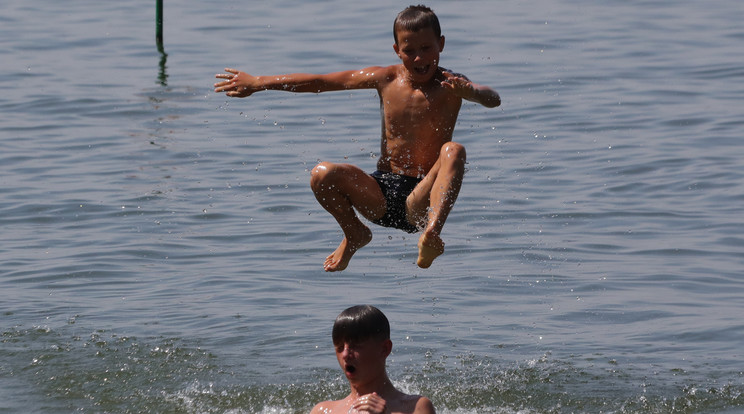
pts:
[346, 351]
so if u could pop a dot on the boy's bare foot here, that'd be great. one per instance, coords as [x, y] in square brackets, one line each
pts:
[430, 246]
[339, 259]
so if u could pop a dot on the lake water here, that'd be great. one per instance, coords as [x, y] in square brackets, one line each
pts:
[162, 251]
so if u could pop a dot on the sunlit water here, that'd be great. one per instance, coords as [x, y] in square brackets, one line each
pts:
[162, 252]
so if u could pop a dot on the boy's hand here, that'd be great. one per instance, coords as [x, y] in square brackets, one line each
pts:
[369, 404]
[237, 84]
[466, 89]
[460, 85]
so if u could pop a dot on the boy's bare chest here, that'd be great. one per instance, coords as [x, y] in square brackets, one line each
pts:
[415, 105]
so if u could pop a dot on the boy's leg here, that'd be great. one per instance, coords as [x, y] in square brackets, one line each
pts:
[340, 188]
[432, 200]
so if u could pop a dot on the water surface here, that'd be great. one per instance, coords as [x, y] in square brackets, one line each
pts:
[162, 251]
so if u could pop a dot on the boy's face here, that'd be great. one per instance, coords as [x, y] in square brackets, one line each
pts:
[419, 51]
[362, 359]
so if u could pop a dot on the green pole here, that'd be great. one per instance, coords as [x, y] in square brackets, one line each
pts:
[159, 23]
[162, 75]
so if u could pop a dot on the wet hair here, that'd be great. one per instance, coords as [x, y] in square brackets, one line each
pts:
[415, 18]
[359, 323]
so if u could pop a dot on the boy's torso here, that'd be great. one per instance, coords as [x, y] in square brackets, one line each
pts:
[416, 121]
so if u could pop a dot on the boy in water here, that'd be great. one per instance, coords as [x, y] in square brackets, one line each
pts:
[420, 168]
[361, 336]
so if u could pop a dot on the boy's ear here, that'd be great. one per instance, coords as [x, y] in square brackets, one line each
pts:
[441, 44]
[396, 49]
[387, 347]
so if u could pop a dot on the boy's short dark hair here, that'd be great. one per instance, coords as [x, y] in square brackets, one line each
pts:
[359, 323]
[415, 18]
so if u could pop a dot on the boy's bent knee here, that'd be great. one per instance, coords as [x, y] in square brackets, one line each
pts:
[321, 169]
[319, 173]
[454, 151]
[324, 173]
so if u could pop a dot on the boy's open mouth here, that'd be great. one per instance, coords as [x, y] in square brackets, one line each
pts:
[350, 369]
[422, 70]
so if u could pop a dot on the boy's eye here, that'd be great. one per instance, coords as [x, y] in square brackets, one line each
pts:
[351, 345]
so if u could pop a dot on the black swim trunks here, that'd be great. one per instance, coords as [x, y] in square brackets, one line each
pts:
[396, 189]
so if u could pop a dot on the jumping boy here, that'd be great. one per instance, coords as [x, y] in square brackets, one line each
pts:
[361, 336]
[420, 169]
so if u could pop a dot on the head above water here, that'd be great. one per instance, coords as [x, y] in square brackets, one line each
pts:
[359, 323]
[415, 18]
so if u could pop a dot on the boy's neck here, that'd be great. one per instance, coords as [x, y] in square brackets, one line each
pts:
[382, 387]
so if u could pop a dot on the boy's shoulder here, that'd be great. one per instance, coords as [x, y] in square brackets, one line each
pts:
[424, 406]
[416, 404]
[391, 72]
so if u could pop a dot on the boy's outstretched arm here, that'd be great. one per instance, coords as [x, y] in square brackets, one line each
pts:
[466, 89]
[240, 84]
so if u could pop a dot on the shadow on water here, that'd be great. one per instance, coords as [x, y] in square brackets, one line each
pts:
[162, 74]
